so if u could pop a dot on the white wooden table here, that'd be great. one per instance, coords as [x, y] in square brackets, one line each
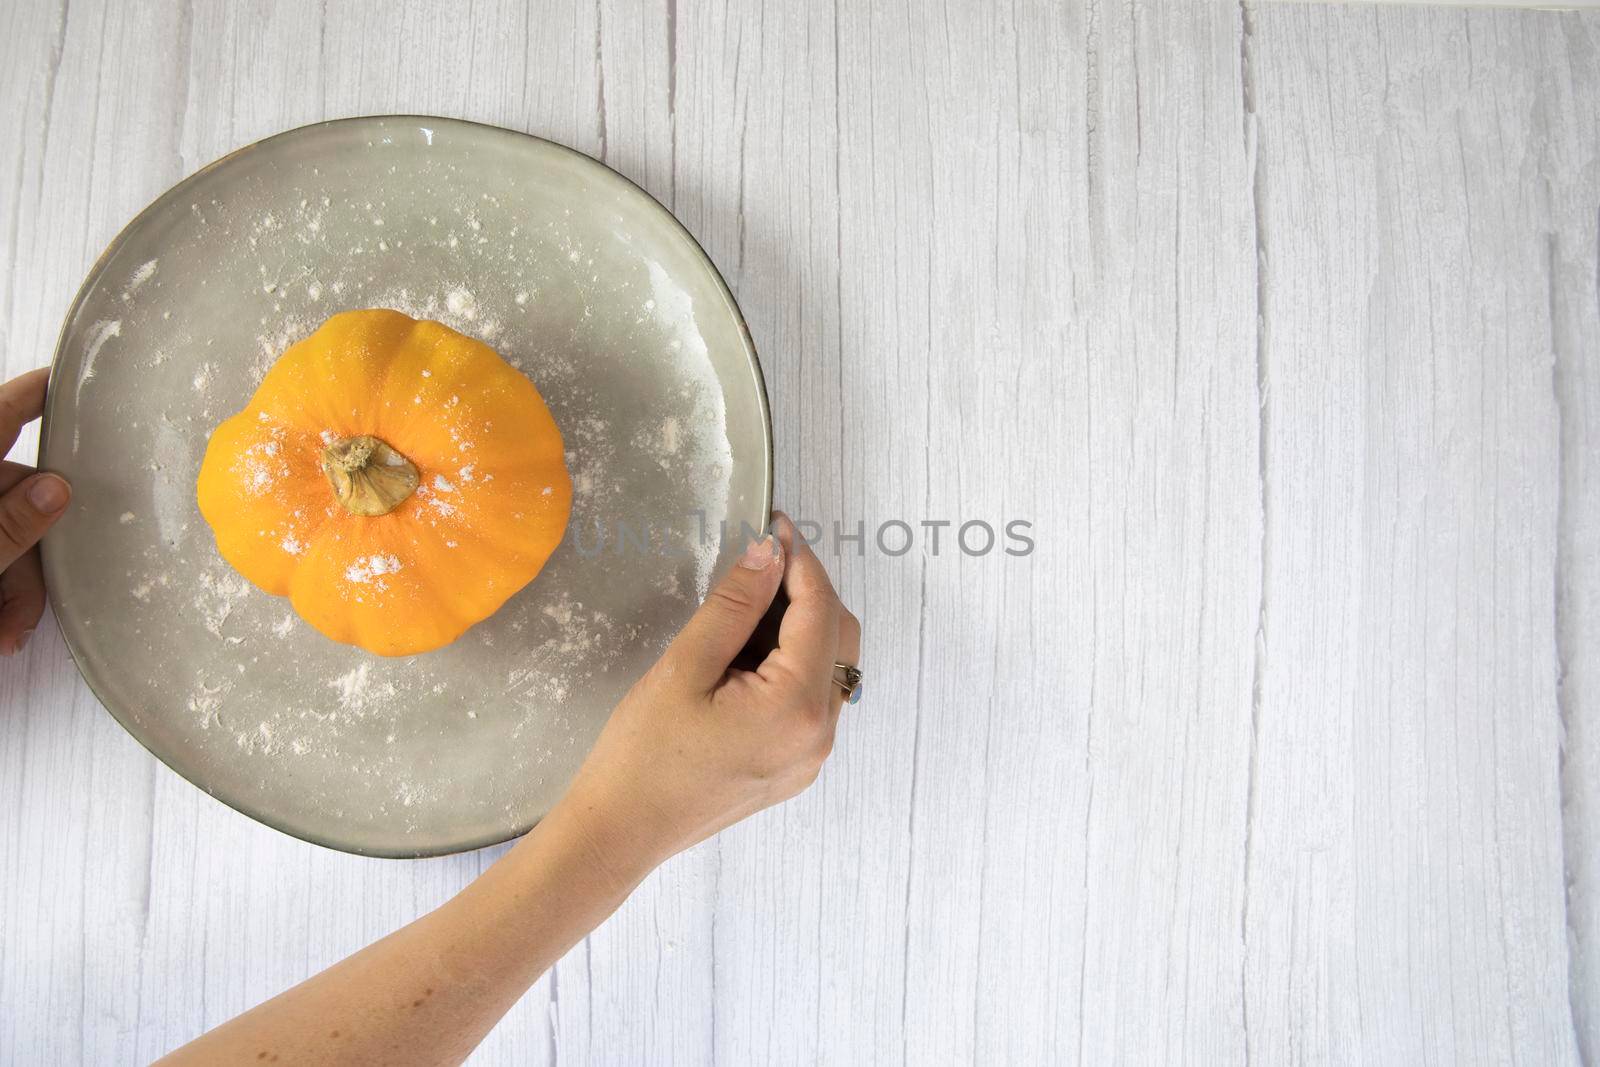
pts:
[1282, 327]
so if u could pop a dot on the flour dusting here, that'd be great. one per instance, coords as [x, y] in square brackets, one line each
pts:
[99, 334]
[143, 273]
[221, 591]
[371, 568]
[710, 454]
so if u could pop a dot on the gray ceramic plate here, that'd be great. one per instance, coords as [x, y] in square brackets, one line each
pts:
[573, 274]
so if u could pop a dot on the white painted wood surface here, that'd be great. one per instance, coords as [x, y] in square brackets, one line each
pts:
[1282, 326]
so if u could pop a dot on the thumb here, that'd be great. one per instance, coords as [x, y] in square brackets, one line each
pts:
[714, 635]
[27, 511]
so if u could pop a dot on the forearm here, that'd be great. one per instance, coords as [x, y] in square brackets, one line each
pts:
[429, 992]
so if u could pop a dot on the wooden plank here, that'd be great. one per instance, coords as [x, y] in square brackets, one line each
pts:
[1573, 247]
[1568, 92]
[1405, 878]
[1172, 533]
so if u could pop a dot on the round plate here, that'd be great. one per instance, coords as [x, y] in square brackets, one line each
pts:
[572, 273]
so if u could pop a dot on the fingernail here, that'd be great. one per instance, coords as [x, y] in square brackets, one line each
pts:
[759, 554]
[22, 641]
[48, 494]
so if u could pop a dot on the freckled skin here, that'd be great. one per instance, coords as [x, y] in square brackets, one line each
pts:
[491, 505]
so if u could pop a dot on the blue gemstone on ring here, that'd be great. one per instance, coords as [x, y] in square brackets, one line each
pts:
[855, 694]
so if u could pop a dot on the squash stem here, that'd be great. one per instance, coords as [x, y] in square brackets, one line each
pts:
[368, 476]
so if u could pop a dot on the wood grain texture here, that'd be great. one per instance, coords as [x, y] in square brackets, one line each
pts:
[1406, 863]
[1572, 271]
[1282, 326]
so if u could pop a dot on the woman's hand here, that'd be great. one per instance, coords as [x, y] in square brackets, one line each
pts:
[29, 503]
[698, 744]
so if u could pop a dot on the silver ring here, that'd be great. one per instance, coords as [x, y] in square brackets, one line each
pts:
[848, 678]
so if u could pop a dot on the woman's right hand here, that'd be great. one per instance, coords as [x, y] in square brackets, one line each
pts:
[29, 502]
[697, 744]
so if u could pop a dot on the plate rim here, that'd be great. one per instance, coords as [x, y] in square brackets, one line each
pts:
[173, 192]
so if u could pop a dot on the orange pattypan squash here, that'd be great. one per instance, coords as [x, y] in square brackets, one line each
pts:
[396, 480]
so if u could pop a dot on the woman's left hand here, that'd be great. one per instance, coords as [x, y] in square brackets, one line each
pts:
[29, 502]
